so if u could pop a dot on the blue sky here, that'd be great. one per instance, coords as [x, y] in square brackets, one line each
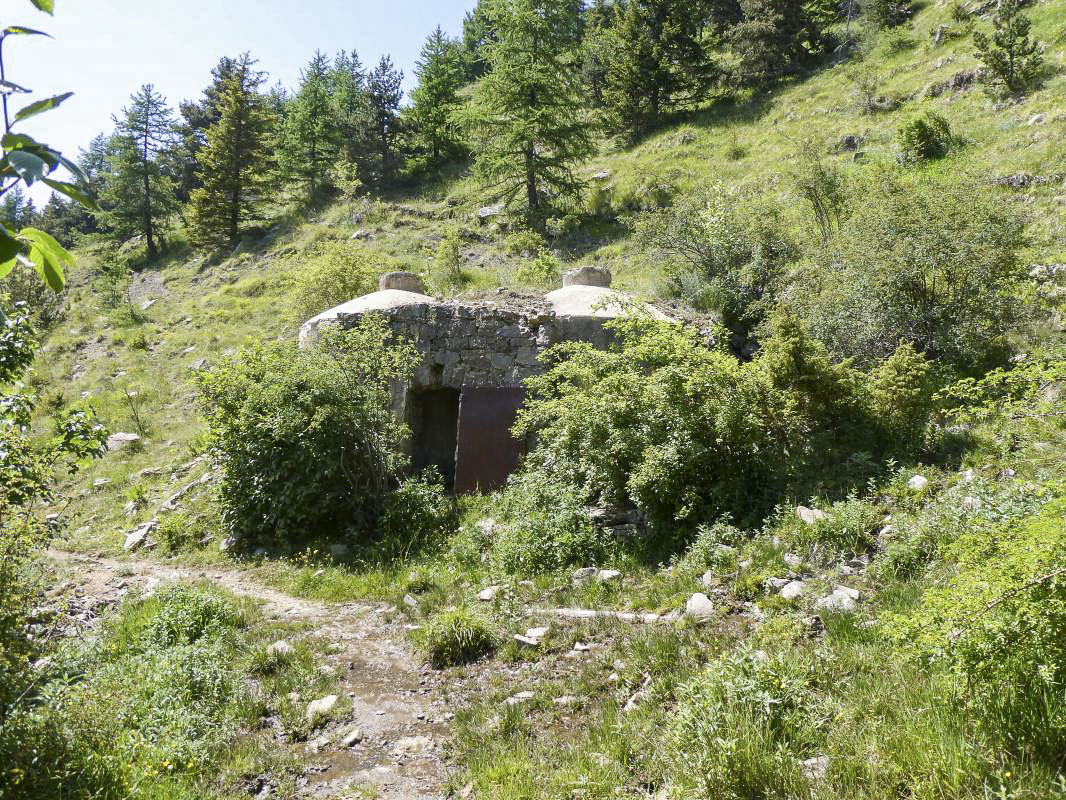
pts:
[105, 49]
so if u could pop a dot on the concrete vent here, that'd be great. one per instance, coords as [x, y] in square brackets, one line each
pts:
[588, 276]
[404, 281]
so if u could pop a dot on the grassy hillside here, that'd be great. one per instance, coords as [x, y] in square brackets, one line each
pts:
[873, 694]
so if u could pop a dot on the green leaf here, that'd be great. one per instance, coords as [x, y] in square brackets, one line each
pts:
[46, 242]
[40, 106]
[5, 268]
[19, 141]
[28, 166]
[9, 245]
[47, 6]
[75, 193]
[74, 170]
[22, 30]
[50, 270]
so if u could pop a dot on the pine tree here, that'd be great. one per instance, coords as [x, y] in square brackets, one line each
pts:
[889, 13]
[235, 164]
[191, 129]
[309, 135]
[656, 62]
[525, 118]
[384, 91]
[772, 40]
[478, 33]
[1012, 60]
[139, 193]
[436, 97]
[351, 108]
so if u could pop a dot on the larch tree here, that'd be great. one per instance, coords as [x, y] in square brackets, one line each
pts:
[772, 40]
[309, 134]
[196, 116]
[384, 91]
[656, 62]
[139, 193]
[351, 107]
[435, 99]
[235, 164]
[526, 119]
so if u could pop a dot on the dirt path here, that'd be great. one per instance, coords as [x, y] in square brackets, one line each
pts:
[395, 701]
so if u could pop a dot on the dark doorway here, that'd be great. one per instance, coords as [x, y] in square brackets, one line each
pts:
[488, 454]
[433, 415]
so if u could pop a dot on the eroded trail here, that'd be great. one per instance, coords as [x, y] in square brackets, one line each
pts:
[395, 700]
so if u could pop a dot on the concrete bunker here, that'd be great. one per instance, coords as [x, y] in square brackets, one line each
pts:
[467, 390]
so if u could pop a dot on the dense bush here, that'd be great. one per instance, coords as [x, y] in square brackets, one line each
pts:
[741, 728]
[308, 444]
[419, 514]
[924, 138]
[335, 273]
[687, 434]
[1000, 623]
[543, 271]
[735, 246]
[934, 266]
[889, 13]
[545, 527]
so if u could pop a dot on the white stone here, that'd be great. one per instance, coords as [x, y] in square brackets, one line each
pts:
[116, 441]
[608, 575]
[917, 483]
[352, 737]
[815, 768]
[520, 697]
[809, 515]
[527, 641]
[793, 589]
[1037, 119]
[792, 560]
[489, 593]
[699, 607]
[227, 543]
[537, 633]
[139, 535]
[585, 573]
[971, 504]
[317, 708]
[968, 475]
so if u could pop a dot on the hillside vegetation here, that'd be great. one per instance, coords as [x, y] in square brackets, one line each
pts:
[822, 556]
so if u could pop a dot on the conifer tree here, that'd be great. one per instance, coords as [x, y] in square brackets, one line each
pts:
[310, 137]
[139, 193]
[656, 62]
[191, 129]
[436, 96]
[235, 163]
[526, 118]
[351, 108]
[384, 91]
[772, 40]
[1012, 60]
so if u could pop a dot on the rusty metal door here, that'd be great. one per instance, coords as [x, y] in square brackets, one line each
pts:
[487, 453]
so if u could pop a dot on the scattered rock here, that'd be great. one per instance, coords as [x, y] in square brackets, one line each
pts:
[353, 737]
[585, 573]
[489, 594]
[793, 590]
[814, 625]
[527, 641]
[148, 304]
[940, 35]
[360, 234]
[1020, 180]
[1038, 119]
[602, 175]
[608, 575]
[537, 633]
[850, 143]
[101, 482]
[959, 82]
[116, 441]
[843, 598]
[815, 768]
[138, 537]
[198, 364]
[917, 483]
[409, 601]
[708, 580]
[280, 648]
[699, 607]
[320, 707]
[567, 700]
[968, 475]
[792, 560]
[488, 212]
[520, 697]
[809, 515]
[227, 543]
[971, 504]
[412, 745]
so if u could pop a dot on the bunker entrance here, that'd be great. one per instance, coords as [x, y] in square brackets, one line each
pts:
[433, 416]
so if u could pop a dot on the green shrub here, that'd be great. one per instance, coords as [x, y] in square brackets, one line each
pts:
[545, 528]
[687, 434]
[308, 444]
[715, 547]
[525, 243]
[924, 138]
[742, 727]
[457, 636]
[543, 271]
[889, 13]
[419, 514]
[335, 273]
[736, 244]
[999, 622]
[447, 264]
[847, 527]
[937, 267]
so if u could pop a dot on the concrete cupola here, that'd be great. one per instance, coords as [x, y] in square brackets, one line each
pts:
[588, 276]
[402, 281]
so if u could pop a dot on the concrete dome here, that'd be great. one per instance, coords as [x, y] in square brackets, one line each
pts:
[382, 300]
[596, 301]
